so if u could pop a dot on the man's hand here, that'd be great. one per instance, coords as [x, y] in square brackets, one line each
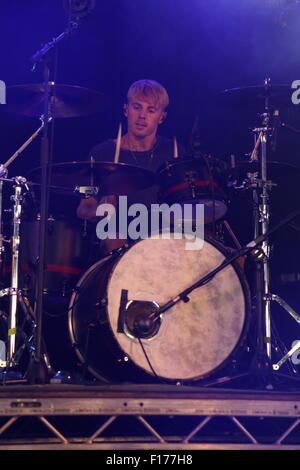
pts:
[88, 207]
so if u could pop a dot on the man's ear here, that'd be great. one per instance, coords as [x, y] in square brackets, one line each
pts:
[125, 109]
[163, 117]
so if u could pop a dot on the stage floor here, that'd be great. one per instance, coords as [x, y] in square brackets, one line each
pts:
[147, 416]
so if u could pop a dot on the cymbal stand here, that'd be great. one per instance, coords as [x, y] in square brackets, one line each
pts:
[12, 291]
[261, 218]
[264, 297]
[3, 174]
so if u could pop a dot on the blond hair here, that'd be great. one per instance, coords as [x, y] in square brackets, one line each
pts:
[150, 90]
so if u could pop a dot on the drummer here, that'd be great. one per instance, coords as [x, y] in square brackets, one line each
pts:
[145, 110]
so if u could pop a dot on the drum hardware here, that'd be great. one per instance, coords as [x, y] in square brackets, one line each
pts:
[3, 177]
[87, 191]
[2, 248]
[28, 142]
[13, 291]
[262, 210]
[262, 214]
[264, 192]
[287, 356]
[17, 296]
[194, 180]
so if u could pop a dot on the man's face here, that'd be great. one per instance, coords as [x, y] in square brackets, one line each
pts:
[143, 117]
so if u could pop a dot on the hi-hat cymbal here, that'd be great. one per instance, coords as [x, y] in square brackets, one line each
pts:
[277, 96]
[66, 101]
[111, 178]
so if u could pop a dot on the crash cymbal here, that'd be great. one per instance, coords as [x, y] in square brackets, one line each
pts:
[66, 101]
[111, 178]
[251, 96]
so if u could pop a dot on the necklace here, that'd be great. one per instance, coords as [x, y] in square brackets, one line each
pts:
[149, 154]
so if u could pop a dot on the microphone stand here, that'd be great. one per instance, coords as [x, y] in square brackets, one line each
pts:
[36, 373]
[252, 246]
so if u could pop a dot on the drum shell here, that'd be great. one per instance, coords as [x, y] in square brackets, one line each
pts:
[194, 180]
[94, 338]
[66, 255]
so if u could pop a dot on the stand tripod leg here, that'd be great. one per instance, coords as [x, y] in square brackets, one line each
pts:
[286, 356]
[296, 317]
[286, 307]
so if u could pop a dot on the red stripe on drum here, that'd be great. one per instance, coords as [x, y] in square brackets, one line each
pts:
[185, 185]
[64, 269]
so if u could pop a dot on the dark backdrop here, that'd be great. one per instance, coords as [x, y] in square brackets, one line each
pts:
[196, 49]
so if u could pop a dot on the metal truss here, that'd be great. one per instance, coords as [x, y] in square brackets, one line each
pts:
[114, 419]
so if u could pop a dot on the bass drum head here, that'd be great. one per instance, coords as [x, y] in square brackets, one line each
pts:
[195, 338]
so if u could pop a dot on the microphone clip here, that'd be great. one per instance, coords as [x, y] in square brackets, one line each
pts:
[138, 318]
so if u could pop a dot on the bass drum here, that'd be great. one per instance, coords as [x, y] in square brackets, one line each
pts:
[194, 338]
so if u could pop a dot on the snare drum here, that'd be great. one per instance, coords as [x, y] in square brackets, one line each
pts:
[193, 339]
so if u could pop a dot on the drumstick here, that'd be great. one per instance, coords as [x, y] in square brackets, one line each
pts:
[175, 152]
[118, 144]
[232, 160]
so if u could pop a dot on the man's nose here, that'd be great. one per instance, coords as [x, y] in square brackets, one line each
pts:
[142, 113]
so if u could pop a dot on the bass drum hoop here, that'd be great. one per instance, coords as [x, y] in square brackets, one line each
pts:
[122, 357]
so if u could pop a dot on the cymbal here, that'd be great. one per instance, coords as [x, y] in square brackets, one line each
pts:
[111, 178]
[66, 101]
[278, 96]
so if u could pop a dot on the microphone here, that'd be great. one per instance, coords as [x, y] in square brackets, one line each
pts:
[138, 318]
